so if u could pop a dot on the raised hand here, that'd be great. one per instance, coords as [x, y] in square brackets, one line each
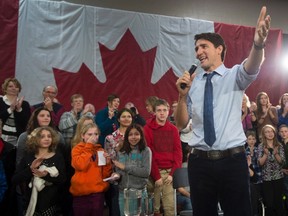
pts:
[19, 103]
[48, 103]
[262, 27]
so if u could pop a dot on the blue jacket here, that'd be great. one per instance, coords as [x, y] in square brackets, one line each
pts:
[106, 125]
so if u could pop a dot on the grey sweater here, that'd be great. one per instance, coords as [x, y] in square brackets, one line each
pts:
[137, 168]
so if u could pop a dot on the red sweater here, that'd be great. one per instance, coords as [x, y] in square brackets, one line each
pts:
[164, 142]
[88, 177]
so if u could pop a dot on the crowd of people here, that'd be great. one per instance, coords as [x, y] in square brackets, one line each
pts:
[138, 153]
[80, 162]
[58, 162]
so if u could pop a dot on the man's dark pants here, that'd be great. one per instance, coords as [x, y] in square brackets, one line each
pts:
[225, 180]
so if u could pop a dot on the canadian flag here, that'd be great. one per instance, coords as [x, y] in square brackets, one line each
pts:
[97, 51]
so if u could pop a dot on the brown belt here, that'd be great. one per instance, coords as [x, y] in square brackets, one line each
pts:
[217, 154]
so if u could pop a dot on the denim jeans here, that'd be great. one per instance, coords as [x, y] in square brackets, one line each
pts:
[225, 180]
[184, 202]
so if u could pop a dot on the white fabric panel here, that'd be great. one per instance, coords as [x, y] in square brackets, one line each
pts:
[63, 35]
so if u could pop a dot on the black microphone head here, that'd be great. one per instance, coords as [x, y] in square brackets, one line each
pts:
[192, 69]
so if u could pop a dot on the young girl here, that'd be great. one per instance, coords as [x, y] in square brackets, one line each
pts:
[43, 170]
[87, 185]
[40, 117]
[113, 143]
[271, 157]
[133, 163]
[84, 120]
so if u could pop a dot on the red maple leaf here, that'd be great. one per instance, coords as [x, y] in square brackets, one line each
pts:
[128, 74]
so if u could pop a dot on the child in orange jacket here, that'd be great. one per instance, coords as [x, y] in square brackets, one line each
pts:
[87, 185]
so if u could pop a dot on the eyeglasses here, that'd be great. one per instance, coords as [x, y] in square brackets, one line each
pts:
[49, 92]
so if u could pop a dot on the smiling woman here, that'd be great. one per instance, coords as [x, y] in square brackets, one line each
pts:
[14, 111]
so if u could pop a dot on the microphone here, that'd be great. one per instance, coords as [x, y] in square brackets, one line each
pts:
[191, 71]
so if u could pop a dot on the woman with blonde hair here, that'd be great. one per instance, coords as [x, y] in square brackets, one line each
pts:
[247, 116]
[271, 157]
[14, 111]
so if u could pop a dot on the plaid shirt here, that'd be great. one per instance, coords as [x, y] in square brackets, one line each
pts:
[257, 178]
[68, 123]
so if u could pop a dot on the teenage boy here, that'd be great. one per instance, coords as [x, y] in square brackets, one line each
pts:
[163, 139]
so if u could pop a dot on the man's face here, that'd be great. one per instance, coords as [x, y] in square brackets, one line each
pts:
[50, 92]
[78, 103]
[208, 55]
[161, 113]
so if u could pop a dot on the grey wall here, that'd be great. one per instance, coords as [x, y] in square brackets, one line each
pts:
[244, 12]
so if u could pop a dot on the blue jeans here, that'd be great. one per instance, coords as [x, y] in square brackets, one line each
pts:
[225, 180]
[184, 202]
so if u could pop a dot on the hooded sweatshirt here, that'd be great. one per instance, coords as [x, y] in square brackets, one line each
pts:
[137, 168]
[164, 142]
[88, 177]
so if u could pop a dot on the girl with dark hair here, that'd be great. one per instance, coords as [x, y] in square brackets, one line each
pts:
[133, 163]
[40, 117]
[113, 143]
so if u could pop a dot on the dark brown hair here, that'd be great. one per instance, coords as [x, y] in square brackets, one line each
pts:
[215, 39]
[126, 145]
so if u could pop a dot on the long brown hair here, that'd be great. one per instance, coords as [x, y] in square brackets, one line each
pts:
[141, 144]
[259, 106]
[264, 140]
[33, 121]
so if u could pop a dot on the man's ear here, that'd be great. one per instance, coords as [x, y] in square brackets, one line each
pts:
[220, 49]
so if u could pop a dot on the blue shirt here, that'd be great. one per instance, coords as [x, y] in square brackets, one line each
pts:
[228, 88]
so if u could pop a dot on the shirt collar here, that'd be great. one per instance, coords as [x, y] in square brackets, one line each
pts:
[5, 99]
[220, 70]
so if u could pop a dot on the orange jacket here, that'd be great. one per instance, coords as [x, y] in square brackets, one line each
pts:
[88, 176]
